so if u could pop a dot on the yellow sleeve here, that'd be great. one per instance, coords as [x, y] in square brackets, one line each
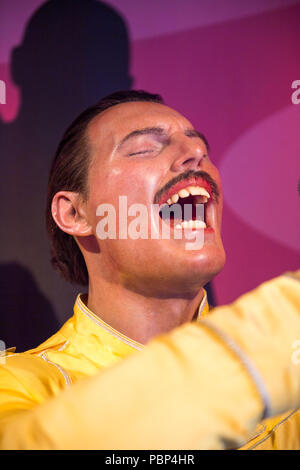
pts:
[186, 390]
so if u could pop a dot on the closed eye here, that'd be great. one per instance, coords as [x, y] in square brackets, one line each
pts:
[140, 152]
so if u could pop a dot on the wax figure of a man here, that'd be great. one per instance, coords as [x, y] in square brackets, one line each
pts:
[142, 364]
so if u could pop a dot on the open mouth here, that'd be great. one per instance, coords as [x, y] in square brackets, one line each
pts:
[187, 206]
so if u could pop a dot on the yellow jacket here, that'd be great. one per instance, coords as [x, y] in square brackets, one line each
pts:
[90, 387]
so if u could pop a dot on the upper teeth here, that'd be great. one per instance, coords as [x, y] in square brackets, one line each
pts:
[193, 190]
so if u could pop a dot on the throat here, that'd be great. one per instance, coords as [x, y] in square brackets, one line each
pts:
[142, 318]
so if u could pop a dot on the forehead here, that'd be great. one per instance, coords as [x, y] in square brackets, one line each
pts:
[111, 126]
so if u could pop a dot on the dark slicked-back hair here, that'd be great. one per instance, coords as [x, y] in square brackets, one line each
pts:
[69, 172]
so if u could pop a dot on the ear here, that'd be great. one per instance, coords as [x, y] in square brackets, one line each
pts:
[69, 214]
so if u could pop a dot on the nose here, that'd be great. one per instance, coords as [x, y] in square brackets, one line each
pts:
[188, 154]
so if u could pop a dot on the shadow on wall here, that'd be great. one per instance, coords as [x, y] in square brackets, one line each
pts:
[73, 53]
[35, 317]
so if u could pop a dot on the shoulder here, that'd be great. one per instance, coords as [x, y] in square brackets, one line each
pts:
[30, 374]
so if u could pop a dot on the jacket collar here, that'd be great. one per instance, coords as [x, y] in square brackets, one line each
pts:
[87, 323]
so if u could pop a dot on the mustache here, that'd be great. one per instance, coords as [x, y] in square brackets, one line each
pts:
[186, 175]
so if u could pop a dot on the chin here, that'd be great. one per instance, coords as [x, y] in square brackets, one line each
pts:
[167, 268]
[204, 265]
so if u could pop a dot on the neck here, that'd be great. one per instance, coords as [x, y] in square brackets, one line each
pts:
[139, 317]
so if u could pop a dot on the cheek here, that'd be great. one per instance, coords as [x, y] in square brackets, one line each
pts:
[214, 173]
[134, 183]
[137, 180]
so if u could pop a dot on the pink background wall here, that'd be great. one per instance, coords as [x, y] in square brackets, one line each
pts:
[228, 66]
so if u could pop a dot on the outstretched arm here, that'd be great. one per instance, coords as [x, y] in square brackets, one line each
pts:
[202, 386]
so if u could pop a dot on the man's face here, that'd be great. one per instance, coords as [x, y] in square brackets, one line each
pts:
[149, 153]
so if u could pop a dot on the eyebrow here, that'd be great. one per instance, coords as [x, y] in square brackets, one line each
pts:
[195, 133]
[160, 131]
[144, 131]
